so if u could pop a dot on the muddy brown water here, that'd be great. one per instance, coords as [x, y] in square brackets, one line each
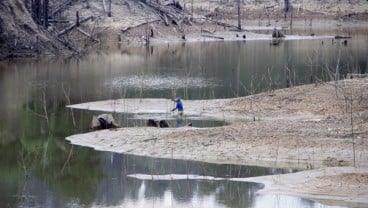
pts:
[38, 168]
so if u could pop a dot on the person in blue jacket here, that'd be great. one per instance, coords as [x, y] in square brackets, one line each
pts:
[179, 106]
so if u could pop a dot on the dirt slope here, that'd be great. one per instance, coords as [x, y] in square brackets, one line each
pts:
[20, 36]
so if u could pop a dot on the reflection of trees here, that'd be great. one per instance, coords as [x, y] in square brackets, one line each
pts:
[39, 155]
[234, 194]
[156, 189]
[116, 186]
[183, 190]
[10, 176]
[208, 187]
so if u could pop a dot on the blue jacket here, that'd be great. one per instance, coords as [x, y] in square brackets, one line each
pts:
[179, 106]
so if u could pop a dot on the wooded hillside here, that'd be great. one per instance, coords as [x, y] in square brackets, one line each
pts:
[32, 27]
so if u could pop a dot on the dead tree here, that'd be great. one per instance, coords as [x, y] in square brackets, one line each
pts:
[192, 8]
[76, 24]
[36, 11]
[61, 7]
[171, 13]
[40, 11]
[239, 16]
[287, 7]
[45, 13]
[109, 9]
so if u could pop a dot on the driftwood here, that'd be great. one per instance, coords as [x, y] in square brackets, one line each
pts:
[68, 45]
[68, 29]
[354, 75]
[221, 23]
[175, 4]
[342, 37]
[168, 13]
[87, 34]
[207, 31]
[104, 5]
[61, 7]
[166, 21]
[129, 28]
[58, 21]
[349, 15]
[212, 36]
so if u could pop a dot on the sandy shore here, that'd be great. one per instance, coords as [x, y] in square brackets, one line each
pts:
[335, 186]
[305, 127]
[316, 184]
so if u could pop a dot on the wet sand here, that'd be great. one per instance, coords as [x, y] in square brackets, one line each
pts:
[335, 186]
[305, 127]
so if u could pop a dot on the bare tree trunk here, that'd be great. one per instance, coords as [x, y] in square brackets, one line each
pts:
[192, 8]
[40, 11]
[77, 23]
[109, 9]
[104, 5]
[45, 13]
[37, 11]
[33, 9]
[239, 15]
[286, 7]
[291, 18]
[26, 2]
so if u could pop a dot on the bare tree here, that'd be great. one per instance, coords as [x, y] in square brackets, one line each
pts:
[40, 11]
[109, 9]
[239, 16]
[287, 7]
[45, 13]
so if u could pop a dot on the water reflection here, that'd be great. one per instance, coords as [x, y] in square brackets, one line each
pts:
[39, 169]
[180, 193]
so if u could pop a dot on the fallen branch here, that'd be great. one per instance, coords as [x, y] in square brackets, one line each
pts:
[68, 29]
[58, 21]
[207, 31]
[129, 28]
[87, 34]
[61, 7]
[219, 23]
[166, 21]
[168, 13]
[211, 36]
[354, 75]
[104, 5]
[342, 37]
[68, 45]
[349, 15]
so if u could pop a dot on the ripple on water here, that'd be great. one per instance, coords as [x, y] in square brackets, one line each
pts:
[162, 82]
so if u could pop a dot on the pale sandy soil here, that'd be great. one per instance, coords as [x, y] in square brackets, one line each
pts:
[305, 127]
[342, 186]
[127, 23]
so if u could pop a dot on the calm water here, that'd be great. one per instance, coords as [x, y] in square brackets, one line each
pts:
[38, 168]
